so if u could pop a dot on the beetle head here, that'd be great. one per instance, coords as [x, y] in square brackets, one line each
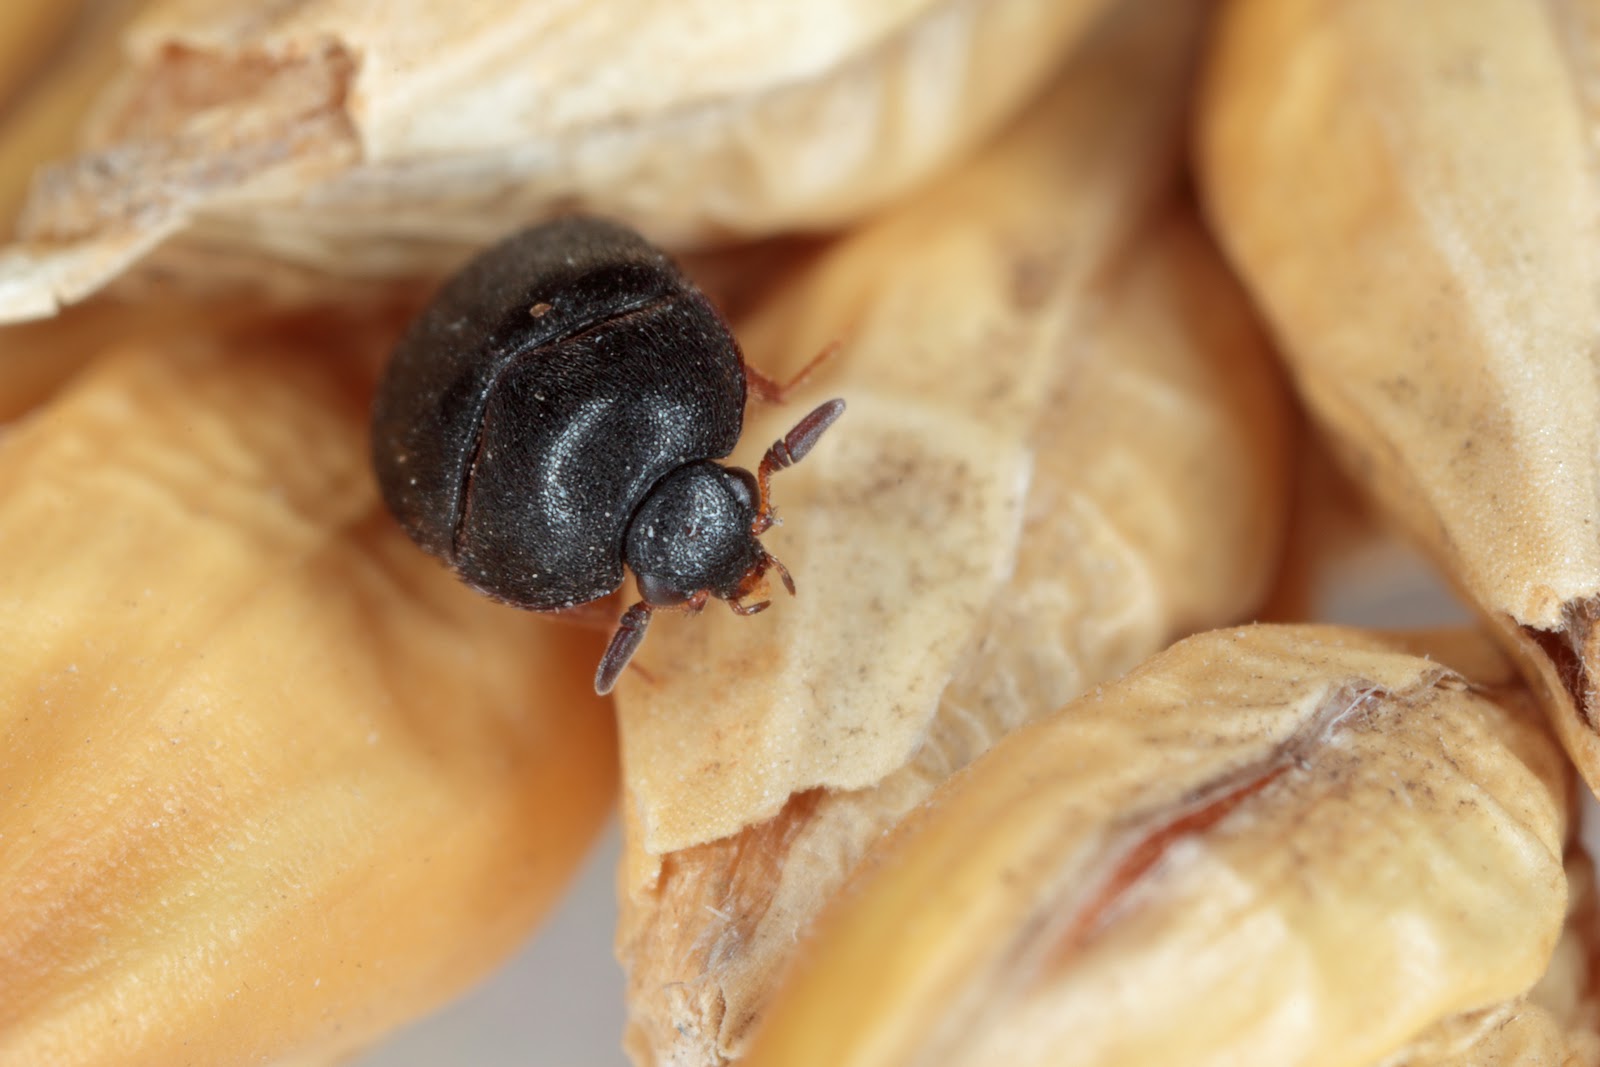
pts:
[695, 535]
[693, 532]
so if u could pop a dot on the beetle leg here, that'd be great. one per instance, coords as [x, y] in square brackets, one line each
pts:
[783, 572]
[787, 452]
[756, 579]
[624, 643]
[763, 388]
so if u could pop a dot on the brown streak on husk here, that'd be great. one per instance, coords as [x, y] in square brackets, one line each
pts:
[1145, 845]
[1151, 845]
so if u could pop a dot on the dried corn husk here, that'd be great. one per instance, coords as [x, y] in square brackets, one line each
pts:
[357, 141]
[1265, 846]
[42, 123]
[1417, 212]
[274, 780]
[968, 547]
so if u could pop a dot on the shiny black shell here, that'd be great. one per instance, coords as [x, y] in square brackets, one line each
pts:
[537, 400]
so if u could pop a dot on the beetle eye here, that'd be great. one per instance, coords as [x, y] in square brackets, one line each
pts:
[742, 485]
[659, 592]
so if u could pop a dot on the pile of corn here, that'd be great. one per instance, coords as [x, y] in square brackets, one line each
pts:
[1001, 786]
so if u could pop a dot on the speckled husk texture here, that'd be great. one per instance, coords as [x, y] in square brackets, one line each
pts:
[1418, 214]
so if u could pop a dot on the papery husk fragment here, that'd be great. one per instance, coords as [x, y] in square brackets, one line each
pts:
[1064, 447]
[271, 780]
[1276, 846]
[42, 122]
[1410, 191]
[330, 137]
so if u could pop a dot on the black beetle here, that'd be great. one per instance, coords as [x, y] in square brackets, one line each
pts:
[552, 415]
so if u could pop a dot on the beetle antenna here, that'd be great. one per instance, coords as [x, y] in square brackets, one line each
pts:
[624, 643]
[786, 453]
